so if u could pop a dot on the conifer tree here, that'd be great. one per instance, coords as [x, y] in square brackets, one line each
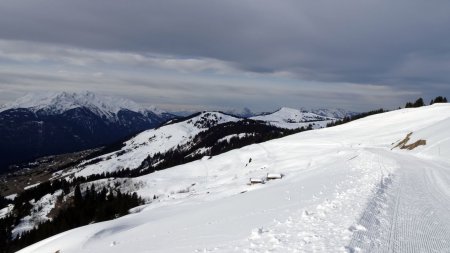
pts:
[419, 103]
[439, 99]
[78, 198]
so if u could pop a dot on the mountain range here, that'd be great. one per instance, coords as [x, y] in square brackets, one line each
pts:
[217, 182]
[55, 123]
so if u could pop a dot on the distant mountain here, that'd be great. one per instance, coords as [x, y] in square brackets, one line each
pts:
[55, 123]
[179, 141]
[293, 118]
[53, 103]
[334, 113]
[243, 113]
[182, 113]
[150, 142]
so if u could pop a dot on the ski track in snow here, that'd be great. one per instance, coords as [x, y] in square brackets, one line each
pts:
[311, 229]
[410, 214]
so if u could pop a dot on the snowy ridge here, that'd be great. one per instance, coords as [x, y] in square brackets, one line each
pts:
[333, 113]
[345, 190]
[59, 102]
[154, 141]
[292, 118]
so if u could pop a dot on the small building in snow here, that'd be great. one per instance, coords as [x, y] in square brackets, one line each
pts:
[272, 176]
[257, 181]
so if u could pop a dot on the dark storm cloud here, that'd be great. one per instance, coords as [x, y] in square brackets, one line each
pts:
[403, 43]
[198, 54]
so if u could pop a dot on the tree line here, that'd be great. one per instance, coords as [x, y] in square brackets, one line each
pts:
[420, 102]
[347, 119]
[81, 209]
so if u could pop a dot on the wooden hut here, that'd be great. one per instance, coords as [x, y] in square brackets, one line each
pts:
[256, 181]
[272, 176]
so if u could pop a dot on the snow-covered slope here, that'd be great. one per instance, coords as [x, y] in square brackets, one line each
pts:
[59, 102]
[345, 189]
[153, 141]
[292, 118]
[38, 214]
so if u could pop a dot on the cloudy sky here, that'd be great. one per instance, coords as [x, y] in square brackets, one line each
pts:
[211, 54]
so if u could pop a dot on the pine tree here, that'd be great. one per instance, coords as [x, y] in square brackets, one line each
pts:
[419, 103]
[78, 198]
[439, 99]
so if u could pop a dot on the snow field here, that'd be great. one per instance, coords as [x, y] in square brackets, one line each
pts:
[327, 224]
[344, 190]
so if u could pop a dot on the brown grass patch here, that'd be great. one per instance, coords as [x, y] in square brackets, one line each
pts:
[415, 145]
[403, 144]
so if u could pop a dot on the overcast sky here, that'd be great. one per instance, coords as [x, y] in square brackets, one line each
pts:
[211, 54]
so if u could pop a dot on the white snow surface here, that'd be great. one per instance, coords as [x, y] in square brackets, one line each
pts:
[31, 186]
[59, 102]
[345, 190]
[38, 214]
[153, 141]
[11, 197]
[229, 137]
[6, 210]
[289, 118]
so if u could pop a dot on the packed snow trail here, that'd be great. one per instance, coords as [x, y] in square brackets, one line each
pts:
[410, 213]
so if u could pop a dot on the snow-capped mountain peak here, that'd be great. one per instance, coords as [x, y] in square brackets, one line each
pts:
[208, 119]
[293, 118]
[62, 122]
[60, 102]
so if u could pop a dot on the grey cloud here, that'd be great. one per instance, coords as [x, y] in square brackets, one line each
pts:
[190, 91]
[228, 53]
[334, 41]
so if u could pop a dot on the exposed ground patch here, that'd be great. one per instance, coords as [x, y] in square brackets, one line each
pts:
[403, 144]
